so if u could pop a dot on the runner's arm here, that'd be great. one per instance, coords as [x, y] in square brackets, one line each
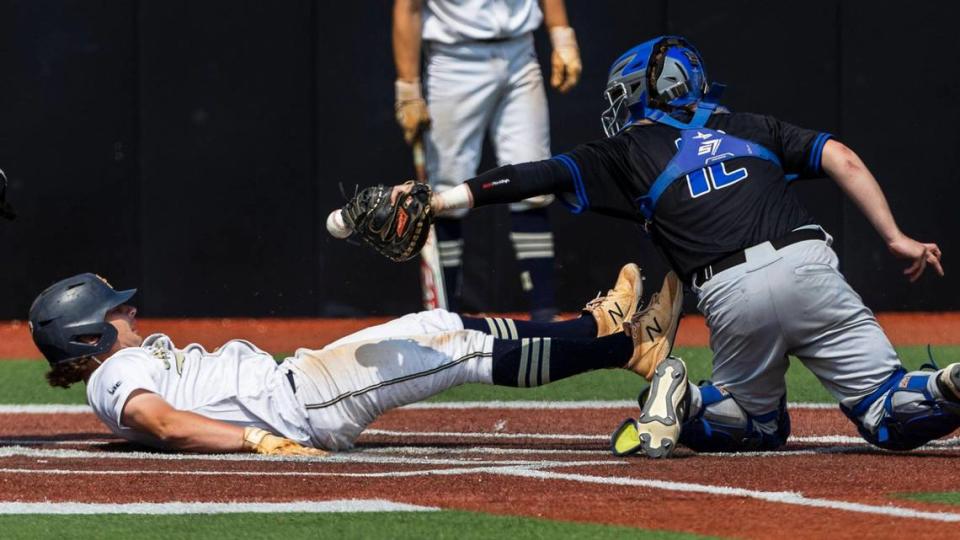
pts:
[149, 413]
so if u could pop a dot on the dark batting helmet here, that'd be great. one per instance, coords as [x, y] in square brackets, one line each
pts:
[71, 310]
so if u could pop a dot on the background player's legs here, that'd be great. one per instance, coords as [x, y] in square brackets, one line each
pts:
[450, 247]
[463, 83]
[520, 132]
[532, 240]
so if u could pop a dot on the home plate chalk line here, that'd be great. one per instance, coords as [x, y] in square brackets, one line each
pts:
[534, 472]
[348, 505]
[535, 469]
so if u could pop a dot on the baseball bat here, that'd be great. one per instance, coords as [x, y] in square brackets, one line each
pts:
[431, 273]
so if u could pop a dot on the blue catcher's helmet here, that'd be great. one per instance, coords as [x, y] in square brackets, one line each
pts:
[653, 80]
[72, 309]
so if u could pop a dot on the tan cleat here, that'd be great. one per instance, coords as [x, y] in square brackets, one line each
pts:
[620, 303]
[653, 330]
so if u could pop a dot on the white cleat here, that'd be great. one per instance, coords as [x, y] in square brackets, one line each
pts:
[658, 427]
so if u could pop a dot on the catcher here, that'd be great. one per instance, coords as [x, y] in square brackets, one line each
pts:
[713, 189]
[238, 399]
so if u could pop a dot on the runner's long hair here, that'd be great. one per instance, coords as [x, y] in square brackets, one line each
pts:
[65, 374]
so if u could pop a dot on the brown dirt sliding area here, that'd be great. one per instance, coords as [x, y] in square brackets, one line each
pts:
[286, 335]
[544, 463]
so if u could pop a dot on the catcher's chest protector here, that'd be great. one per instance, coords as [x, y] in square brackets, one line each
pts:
[700, 154]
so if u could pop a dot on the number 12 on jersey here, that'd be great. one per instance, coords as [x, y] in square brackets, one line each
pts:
[716, 176]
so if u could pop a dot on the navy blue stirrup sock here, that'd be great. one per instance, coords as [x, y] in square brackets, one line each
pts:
[538, 361]
[532, 242]
[584, 327]
[450, 248]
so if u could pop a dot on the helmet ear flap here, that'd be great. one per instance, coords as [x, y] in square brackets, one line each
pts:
[105, 333]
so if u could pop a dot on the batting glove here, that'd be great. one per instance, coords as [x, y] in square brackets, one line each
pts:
[411, 109]
[565, 62]
[259, 441]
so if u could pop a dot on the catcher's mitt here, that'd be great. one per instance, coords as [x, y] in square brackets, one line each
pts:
[398, 231]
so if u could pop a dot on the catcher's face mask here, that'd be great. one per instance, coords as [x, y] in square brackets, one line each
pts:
[662, 74]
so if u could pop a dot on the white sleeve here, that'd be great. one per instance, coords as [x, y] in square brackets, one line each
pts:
[114, 381]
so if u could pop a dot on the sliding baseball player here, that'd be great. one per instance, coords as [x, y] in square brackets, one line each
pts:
[237, 398]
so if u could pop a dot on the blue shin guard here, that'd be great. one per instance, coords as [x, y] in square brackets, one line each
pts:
[913, 412]
[721, 425]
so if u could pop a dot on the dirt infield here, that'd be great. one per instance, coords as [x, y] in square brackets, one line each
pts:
[549, 463]
[285, 335]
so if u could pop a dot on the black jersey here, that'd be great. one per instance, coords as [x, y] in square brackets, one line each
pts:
[699, 221]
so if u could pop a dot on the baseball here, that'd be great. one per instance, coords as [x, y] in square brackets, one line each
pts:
[336, 226]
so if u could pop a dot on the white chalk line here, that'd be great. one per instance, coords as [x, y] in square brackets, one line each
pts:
[442, 405]
[814, 439]
[60, 442]
[355, 456]
[782, 497]
[487, 435]
[45, 409]
[810, 439]
[834, 444]
[565, 405]
[338, 458]
[258, 474]
[180, 508]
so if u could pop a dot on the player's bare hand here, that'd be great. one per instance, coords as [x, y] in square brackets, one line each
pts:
[262, 442]
[398, 190]
[920, 254]
[565, 66]
[411, 110]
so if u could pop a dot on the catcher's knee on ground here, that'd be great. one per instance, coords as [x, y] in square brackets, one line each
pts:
[719, 424]
[907, 411]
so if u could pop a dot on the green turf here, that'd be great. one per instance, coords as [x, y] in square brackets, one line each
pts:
[22, 382]
[948, 497]
[413, 525]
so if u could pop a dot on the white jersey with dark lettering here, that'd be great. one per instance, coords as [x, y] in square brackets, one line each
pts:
[319, 397]
[238, 384]
[457, 21]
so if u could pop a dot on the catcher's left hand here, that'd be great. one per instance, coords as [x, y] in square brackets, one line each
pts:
[395, 224]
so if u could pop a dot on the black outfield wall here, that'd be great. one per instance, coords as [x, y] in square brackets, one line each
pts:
[193, 149]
